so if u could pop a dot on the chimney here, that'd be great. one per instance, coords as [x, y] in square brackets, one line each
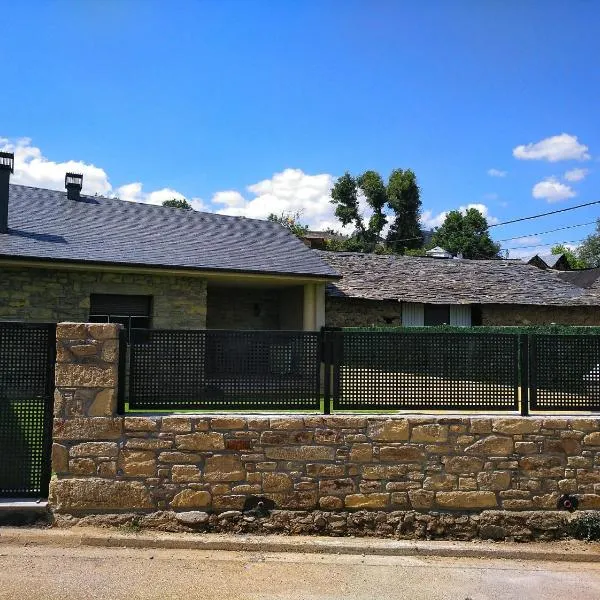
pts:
[7, 166]
[73, 183]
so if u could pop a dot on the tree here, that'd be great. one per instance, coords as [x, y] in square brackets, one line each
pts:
[589, 250]
[289, 221]
[401, 197]
[466, 234]
[178, 203]
[573, 260]
[404, 198]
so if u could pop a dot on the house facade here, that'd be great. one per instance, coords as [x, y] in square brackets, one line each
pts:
[419, 291]
[68, 256]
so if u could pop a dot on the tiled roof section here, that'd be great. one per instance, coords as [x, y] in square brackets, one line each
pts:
[448, 281]
[583, 278]
[44, 224]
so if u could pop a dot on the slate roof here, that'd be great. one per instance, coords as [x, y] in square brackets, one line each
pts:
[44, 224]
[449, 281]
[583, 278]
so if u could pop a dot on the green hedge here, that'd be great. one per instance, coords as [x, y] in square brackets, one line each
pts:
[534, 329]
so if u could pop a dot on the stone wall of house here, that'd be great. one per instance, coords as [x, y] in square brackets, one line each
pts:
[55, 295]
[516, 314]
[356, 312]
[453, 476]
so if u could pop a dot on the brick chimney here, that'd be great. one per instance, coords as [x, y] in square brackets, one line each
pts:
[7, 166]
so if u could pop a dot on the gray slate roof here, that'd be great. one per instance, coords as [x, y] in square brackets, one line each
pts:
[44, 224]
[449, 281]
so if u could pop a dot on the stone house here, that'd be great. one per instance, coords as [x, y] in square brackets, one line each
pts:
[415, 291]
[65, 256]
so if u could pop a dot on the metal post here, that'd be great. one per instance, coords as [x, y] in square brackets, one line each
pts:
[326, 346]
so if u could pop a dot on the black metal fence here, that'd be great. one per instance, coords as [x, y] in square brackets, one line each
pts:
[361, 370]
[212, 370]
[26, 407]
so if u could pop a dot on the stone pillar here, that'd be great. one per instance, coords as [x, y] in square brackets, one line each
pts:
[86, 427]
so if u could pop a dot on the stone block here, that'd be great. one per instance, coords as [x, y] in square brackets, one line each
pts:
[336, 487]
[136, 463]
[399, 500]
[440, 482]
[324, 470]
[229, 502]
[276, 482]
[110, 351]
[185, 474]
[517, 425]
[585, 424]
[60, 459]
[494, 481]
[592, 439]
[300, 453]
[480, 425]
[88, 375]
[107, 469]
[361, 453]
[93, 428]
[429, 433]
[331, 503]
[421, 499]
[465, 500]
[225, 467]
[274, 438]
[380, 500]
[491, 446]
[148, 443]
[391, 430]
[179, 457]
[104, 404]
[227, 423]
[345, 422]
[401, 454]
[526, 448]
[176, 424]
[71, 331]
[108, 449]
[200, 441]
[191, 499]
[328, 436]
[83, 350]
[192, 518]
[286, 423]
[103, 331]
[98, 494]
[140, 424]
[463, 464]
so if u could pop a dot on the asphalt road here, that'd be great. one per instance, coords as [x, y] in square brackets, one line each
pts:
[53, 573]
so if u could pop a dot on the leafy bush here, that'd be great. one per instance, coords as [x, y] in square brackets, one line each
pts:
[586, 526]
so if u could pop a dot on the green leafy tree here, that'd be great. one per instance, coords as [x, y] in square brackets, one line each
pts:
[289, 221]
[573, 260]
[404, 198]
[466, 234]
[400, 198]
[178, 203]
[589, 250]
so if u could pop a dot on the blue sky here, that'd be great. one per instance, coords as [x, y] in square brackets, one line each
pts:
[249, 107]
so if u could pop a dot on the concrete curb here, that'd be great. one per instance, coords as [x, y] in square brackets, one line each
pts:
[567, 551]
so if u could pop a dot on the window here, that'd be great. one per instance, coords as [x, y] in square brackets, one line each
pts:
[132, 311]
[437, 314]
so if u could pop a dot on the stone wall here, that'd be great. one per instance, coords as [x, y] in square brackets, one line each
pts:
[406, 469]
[515, 314]
[54, 295]
[242, 308]
[355, 312]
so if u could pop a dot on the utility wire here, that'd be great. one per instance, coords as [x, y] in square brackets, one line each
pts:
[518, 237]
[551, 244]
[553, 212]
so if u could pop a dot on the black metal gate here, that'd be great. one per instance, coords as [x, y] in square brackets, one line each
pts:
[27, 353]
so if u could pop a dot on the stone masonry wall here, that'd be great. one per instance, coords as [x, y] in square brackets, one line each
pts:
[354, 312]
[55, 295]
[444, 469]
[516, 314]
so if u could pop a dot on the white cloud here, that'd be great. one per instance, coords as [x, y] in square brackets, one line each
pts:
[430, 220]
[576, 174]
[553, 149]
[290, 191]
[497, 173]
[552, 190]
[34, 169]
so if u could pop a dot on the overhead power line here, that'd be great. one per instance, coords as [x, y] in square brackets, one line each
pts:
[552, 212]
[518, 237]
[551, 244]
